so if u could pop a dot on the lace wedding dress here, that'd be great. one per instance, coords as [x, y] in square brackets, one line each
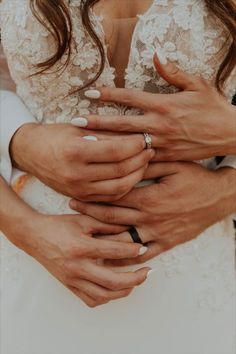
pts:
[188, 305]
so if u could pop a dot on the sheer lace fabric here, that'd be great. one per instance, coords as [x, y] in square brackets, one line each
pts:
[191, 296]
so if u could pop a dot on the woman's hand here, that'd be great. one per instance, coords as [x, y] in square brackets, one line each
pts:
[60, 157]
[186, 200]
[65, 247]
[194, 124]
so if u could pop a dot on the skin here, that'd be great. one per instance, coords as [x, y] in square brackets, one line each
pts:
[185, 201]
[65, 247]
[72, 165]
[70, 255]
[193, 124]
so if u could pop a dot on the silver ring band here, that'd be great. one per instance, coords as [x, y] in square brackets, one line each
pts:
[148, 140]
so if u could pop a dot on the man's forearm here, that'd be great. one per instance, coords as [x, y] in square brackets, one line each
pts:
[227, 188]
[16, 217]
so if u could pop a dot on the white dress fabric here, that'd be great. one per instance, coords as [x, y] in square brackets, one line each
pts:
[188, 305]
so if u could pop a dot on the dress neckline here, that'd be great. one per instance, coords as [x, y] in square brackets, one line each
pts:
[98, 21]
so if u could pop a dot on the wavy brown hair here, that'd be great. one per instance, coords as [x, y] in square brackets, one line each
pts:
[55, 15]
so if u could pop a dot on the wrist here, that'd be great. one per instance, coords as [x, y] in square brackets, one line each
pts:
[226, 186]
[229, 147]
[21, 144]
[19, 227]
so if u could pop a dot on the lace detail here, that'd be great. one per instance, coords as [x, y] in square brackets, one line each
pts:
[185, 32]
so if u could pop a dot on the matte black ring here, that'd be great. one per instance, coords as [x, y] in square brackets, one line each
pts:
[135, 235]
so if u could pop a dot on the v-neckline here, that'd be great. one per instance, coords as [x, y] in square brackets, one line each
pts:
[98, 19]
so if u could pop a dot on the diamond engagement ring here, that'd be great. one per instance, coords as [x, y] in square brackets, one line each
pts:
[148, 140]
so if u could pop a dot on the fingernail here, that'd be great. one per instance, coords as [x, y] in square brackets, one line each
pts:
[161, 56]
[151, 272]
[142, 250]
[90, 137]
[94, 94]
[79, 122]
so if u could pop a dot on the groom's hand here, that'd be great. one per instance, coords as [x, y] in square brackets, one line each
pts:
[60, 156]
[186, 200]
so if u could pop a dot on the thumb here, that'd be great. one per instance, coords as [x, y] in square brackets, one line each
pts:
[173, 75]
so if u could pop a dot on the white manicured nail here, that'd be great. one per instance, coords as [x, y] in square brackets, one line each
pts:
[142, 250]
[161, 56]
[79, 122]
[94, 94]
[90, 137]
[151, 272]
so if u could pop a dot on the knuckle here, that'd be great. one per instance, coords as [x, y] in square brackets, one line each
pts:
[115, 152]
[102, 299]
[121, 188]
[112, 285]
[109, 214]
[68, 271]
[121, 169]
[81, 250]
[127, 98]
[170, 155]
[83, 197]
[69, 177]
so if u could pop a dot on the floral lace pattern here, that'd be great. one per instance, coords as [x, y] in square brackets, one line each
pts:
[183, 30]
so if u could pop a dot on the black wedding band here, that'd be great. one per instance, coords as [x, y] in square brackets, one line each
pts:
[135, 235]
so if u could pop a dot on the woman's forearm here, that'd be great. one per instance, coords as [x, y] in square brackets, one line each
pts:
[16, 217]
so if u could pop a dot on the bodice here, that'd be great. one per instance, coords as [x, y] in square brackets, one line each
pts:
[184, 30]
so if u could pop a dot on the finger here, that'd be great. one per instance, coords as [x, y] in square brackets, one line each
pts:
[118, 186]
[161, 169]
[110, 151]
[112, 280]
[133, 124]
[94, 248]
[106, 213]
[133, 98]
[98, 293]
[100, 198]
[107, 171]
[84, 297]
[121, 237]
[175, 76]
[94, 226]
[126, 237]
[154, 250]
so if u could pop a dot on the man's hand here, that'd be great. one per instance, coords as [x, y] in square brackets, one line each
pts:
[60, 157]
[193, 124]
[186, 200]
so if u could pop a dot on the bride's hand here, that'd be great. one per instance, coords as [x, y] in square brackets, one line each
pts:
[194, 124]
[65, 247]
[186, 200]
[60, 157]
